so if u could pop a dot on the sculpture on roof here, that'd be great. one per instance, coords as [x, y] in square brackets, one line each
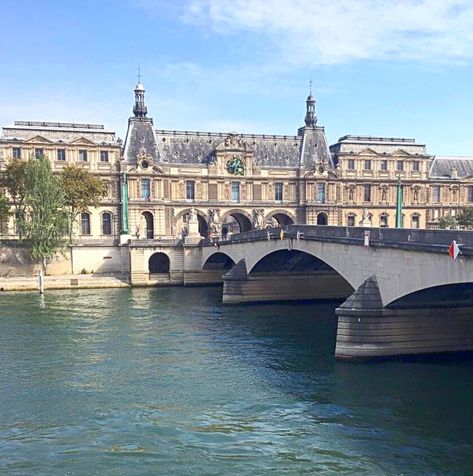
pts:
[258, 218]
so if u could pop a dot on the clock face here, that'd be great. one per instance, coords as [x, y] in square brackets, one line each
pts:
[235, 166]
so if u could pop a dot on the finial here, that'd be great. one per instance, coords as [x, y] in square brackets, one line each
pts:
[310, 86]
[139, 74]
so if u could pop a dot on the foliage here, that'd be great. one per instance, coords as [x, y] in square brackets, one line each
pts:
[44, 219]
[4, 212]
[448, 222]
[465, 218]
[16, 182]
[81, 191]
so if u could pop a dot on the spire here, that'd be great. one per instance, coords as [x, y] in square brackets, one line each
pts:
[310, 117]
[139, 109]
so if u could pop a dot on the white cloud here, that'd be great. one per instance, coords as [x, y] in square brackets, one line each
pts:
[315, 32]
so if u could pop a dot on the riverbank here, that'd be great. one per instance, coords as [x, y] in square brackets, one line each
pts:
[67, 281]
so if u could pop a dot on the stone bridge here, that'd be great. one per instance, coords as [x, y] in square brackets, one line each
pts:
[403, 293]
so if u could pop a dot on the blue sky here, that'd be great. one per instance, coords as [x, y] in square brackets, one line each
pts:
[390, 68]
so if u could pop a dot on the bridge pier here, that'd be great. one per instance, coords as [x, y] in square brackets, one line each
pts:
[241, 287]
[367, 329]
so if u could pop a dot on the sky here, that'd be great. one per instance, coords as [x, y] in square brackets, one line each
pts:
[399, 68]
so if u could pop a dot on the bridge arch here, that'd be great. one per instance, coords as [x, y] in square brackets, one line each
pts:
[219, 260]
[237, 221]
[282, 217]
[159, 263]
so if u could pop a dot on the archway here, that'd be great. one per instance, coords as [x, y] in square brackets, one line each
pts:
[158, 263]
[148, 222]
[322, 218]
[280, 218]
[219, 261]
[203, 227]
[236, 222]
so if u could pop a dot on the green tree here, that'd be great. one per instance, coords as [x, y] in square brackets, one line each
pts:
[448, 222]
[81, 191]
[16, 182]
[465, 218]
[4, 213]
[44, 217]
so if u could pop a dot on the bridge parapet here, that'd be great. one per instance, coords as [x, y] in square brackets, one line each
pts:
[402, 238]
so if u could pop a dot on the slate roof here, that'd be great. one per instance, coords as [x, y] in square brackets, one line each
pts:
[441, 167]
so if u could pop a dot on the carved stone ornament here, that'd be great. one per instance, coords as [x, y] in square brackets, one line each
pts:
[321, 167]
[233, 142]
[258, 218]
[143, 159]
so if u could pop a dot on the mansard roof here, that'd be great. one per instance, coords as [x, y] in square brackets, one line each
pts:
[442, 166]
[186, 147]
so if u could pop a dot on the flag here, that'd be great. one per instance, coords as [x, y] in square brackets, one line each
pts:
[453, 250]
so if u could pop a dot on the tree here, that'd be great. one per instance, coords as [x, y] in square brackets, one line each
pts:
[447, 222]
[465, 218]
[4, 212]
[16, 182]
[44, 217]
[81, 191]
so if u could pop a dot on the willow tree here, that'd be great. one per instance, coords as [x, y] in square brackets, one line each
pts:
[82, 190]
[45, 219]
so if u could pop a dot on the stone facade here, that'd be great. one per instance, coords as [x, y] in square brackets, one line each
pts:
[237, 182]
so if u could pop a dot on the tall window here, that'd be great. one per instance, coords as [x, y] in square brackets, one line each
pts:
[367, 164]
[38, 153]
[400, 165]
[351, 164]
[104, 156]
[278, 191]
[415, 166]
[106, 223]
[470, 193]
[383, 165]
[61, 154]
[321, 193]
[190, 190]
[83, 155]
[16, 153]
[367, 193]
[436, 193]
[85, 223]
[235, 191]
[145, 188]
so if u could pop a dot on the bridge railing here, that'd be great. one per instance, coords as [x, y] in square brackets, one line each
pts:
[405, 238]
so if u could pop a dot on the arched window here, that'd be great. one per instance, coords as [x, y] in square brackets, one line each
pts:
[415, 221]
[158, 263]
[106, 223]
[322, 218]
[85, 223]
[351, 219]
[383, 220]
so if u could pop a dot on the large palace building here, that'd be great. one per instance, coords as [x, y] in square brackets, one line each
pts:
[232, 182]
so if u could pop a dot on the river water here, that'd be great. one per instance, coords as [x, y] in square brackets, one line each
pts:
[168, 381]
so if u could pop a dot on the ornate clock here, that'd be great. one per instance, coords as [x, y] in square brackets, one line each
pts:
[235, 165]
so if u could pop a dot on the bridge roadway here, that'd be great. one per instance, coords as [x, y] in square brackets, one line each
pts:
[403, 293]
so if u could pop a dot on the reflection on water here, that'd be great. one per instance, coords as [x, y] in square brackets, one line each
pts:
[168, 381]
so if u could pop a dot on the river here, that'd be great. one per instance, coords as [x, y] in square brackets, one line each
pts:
[168, 381]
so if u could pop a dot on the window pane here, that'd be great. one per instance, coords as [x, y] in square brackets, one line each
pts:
[351, 220]
[384, 165]
[145, 188]
[104, 156]
[107, 224]
[415, 166]
[367, 193]
[400, 165]
[436, 193]
[190, 190]
[85, 221]
[351, 164]
[83, 155]
[367, 164]
[278, 191]
[61, 154]
[38, 153]
[16, 153]
[236, 191]
[470, 193]
[321, 193]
